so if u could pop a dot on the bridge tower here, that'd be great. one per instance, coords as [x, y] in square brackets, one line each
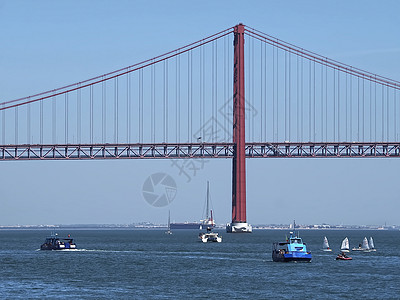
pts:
[239, 223]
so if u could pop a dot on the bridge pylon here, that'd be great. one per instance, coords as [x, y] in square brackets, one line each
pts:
[239, 223]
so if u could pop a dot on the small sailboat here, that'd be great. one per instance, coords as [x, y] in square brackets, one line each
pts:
[371, 244]
[362, 247]
[169, 224]
[325, 245]
[345, 245]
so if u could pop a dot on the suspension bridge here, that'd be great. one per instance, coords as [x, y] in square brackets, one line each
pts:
[194, 102]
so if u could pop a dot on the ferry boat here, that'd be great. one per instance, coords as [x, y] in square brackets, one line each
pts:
[55, 243]
[293, 249]
[210, 236]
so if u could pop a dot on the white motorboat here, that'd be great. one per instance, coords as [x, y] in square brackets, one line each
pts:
[325, 245]
[345, 245]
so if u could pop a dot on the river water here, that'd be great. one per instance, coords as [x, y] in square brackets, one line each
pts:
[148, 264]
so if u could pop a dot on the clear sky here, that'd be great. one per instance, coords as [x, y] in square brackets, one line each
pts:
[47, 44]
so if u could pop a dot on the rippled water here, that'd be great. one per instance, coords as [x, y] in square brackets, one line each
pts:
[147, 264]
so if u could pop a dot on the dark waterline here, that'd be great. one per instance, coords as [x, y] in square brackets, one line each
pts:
[147, 264]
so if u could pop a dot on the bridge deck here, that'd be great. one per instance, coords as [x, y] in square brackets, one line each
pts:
[196, 150]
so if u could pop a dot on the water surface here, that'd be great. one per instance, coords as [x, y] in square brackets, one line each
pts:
[148, 264]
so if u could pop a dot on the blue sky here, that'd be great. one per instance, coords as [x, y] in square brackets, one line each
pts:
[46, 44]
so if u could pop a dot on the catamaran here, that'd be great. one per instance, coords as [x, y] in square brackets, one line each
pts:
[371, 244]
[208, 223]
[325, 245]
[362, 247]
[210, 236]
[345, 245]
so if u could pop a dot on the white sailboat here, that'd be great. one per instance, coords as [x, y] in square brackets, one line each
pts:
[325, 245]
[371, 244]
[208, 222]
[345, 245]
[169, 224]
[362, 247]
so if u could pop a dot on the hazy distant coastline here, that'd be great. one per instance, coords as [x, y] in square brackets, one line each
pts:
[148, 225]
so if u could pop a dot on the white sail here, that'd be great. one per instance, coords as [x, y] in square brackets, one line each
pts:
[371, 243]
[365, 244]
[325, 245]
[345, 245]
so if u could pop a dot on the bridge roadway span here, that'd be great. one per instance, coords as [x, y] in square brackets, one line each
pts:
[196, 150]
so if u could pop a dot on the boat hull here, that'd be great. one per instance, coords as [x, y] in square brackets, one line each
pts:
[57, 247]
[239, 228]
[210, 237]
[212, 240]
[291, 257]
[343, 258]
[175, 226]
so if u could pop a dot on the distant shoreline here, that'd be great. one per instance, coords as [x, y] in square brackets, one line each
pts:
[163, 227]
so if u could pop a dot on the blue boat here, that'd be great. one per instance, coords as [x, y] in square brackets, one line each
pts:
[293, 249]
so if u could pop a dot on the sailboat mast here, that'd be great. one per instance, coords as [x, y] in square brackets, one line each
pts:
[294, 227]
[208, 200]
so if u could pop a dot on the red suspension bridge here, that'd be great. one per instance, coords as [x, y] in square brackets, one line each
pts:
[194, 102]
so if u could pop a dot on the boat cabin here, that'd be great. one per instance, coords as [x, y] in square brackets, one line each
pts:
[296, 244]
[293, 244]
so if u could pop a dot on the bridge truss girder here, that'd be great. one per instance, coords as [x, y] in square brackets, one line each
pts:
[196, 150]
